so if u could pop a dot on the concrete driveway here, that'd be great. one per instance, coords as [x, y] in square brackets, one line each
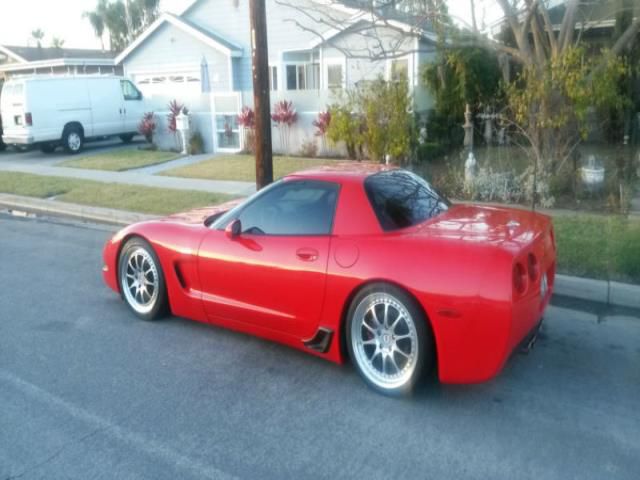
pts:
[89, 391]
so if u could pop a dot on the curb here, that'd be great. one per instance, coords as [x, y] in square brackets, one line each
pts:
[601, 291]
[120, 218]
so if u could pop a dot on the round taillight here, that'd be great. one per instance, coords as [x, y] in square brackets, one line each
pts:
[532, 267]
[519, 278]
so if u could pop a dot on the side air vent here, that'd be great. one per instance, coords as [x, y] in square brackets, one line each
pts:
[321, 341]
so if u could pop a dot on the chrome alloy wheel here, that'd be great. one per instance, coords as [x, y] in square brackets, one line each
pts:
[74, 141]
[140, 281]
[384, 340]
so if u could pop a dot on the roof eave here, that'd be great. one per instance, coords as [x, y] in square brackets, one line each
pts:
[58, 62]
[165, 17]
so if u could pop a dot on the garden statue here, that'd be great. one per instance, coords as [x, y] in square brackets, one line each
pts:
[502, 136]
[422, 137]
[468, 128]
[470, 169]
[488, 126]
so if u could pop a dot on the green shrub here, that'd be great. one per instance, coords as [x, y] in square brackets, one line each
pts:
[196, 144]
[430, 151]
[309, 148]
[374, 118]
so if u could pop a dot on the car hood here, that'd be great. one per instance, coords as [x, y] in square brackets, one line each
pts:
[505, 226]
[199, 215]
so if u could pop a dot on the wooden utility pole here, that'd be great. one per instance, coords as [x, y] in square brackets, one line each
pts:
[261, 100]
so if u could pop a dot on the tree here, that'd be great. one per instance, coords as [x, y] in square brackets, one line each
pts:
[543, 96]
[375, 117]
[124, 20]
[96, 20]
[38, 36]
[57, 42]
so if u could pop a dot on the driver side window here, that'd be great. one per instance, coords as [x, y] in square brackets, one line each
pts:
[294, 208]
[129, 91]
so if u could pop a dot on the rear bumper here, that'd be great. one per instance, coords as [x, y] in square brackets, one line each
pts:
[474, 346]
[18, 139]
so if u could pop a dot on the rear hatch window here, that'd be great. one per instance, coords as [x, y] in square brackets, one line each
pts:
[402, 199]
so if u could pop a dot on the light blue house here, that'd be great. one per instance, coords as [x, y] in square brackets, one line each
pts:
[316, 48]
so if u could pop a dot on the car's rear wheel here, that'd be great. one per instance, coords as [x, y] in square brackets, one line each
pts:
[141, 280]
[127, 137]
[388, 338]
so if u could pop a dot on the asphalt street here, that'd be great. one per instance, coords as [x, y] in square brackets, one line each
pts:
[87, 391]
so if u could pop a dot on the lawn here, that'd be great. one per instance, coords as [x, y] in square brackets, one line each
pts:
[595, 246]
[120, 160]
[134, 198]
[243, 167]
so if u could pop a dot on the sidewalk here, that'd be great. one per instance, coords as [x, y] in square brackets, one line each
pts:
[136, 177]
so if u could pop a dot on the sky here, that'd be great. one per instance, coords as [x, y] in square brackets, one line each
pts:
[63, 19]
[57, 18]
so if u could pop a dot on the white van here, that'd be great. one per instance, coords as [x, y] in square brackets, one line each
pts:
[51, 111]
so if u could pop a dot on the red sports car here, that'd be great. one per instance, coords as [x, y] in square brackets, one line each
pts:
[366, 262]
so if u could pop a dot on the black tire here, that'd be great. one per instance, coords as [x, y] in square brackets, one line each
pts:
[47, 148]
[127, 137]
[72, 139]
[416, 343]
[152, 310]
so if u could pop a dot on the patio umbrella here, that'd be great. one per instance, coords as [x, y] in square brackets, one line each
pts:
[205, 87]
[205, 84]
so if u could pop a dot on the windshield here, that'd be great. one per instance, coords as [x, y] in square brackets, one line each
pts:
[402, 199]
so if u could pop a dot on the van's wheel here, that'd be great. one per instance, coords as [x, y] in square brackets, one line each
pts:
[47, 148]
[72, 139]
[389, 340]
[127, 137]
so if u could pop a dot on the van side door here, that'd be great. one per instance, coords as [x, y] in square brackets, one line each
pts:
[106, 106]
[133, 107]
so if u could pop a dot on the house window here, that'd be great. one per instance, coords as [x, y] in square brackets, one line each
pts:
[334, 76]
[160, 83]
[273, 78]
[304, 76]
[399, 69]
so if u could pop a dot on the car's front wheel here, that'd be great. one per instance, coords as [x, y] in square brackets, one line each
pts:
[388, 338]
[141, 280]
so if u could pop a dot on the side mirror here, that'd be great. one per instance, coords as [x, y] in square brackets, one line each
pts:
[234, 229]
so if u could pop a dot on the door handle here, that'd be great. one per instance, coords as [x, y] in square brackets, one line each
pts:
[307, 254]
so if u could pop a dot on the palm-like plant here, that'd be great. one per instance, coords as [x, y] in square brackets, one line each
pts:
[97, 23]
[284, 115]
[37, 35]
[57, 42]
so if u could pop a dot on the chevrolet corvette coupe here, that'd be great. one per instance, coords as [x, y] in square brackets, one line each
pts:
[364, 262]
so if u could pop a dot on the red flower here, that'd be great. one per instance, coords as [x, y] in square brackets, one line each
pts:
[247, 117]
[322, 123]
[284, 113]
